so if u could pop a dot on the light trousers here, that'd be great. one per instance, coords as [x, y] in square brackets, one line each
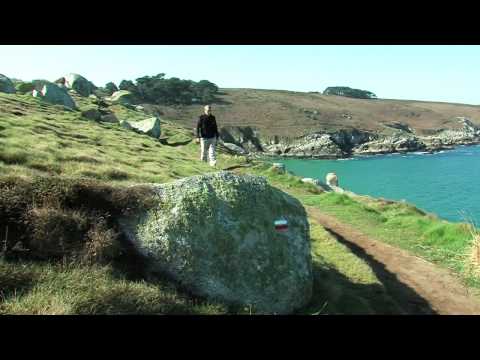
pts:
[208, 145]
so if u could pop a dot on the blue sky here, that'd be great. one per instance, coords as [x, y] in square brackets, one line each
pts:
[421, 72]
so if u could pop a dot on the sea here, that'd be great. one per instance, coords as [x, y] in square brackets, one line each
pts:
[446, 183]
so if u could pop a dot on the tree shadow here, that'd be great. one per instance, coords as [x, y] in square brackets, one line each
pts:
[395, 297]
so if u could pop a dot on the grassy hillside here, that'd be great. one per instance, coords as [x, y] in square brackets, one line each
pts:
[450, 245]
[54, 164]
[288, 113]
[37, 138]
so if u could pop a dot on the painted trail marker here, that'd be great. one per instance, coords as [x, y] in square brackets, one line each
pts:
[281, 225]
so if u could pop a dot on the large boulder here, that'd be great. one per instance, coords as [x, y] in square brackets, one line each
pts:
[6, 85]
[55, 95]
[217, 235]
[78, 83]
[150, 126]
[122, 97]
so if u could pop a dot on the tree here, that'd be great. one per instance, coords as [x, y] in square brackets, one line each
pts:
[349, 92]
[110, 88]
[128, 85]
[159, 90]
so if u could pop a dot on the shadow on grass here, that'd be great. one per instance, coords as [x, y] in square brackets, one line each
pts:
[14, 281]
[178, 143]
[394, 297]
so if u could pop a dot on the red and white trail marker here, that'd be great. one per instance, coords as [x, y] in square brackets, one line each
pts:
[281, 225]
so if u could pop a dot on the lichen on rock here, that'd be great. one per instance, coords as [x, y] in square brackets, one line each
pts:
[215, 235]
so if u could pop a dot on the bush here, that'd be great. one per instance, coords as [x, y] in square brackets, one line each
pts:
[349, 92]
[25, 87]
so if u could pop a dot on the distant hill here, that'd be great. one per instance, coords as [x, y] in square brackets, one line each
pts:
[289, 113]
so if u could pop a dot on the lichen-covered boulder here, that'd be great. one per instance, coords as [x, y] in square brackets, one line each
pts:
[216, 235]
[55, 95]
[150, 126]
[78, 83]
[123, 97]
[6, 85]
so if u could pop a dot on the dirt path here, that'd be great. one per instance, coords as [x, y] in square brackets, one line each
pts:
[418, 286]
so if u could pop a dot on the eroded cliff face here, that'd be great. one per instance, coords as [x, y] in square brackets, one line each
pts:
[395, 138]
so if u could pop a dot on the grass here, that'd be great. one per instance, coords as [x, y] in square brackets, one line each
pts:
[344, 283]
[49, 140]
[450, 245]
[61, 289]
[61, 173]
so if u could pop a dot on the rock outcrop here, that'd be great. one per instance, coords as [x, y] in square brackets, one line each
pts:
[397, 137]
[55, 95]
[6, 85]
[81, 85]
[217, 235]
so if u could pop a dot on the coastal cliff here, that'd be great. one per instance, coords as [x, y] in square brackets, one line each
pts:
[395, 138]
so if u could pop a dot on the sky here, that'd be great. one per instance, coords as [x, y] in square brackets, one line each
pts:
[420, 72]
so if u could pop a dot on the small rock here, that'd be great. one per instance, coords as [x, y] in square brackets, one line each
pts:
[311, 181]
[279, 167]
[92, 114]
[110, 118]
[332, 179]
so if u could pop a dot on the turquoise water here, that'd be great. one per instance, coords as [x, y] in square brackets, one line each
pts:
[445, 183]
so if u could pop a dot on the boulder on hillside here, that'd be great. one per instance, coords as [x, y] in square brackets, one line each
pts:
[92, 113]
[109, 117]
[6, 85]
[55, 95]
[228, 237]
[122, 97]
[150, 126]
[235, 148]
[78, 83]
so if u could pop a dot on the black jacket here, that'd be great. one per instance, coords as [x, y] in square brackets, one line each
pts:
[207, 127]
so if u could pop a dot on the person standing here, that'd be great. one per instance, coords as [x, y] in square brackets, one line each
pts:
[207, 135]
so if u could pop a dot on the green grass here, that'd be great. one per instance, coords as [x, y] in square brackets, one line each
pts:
[49, 140]
[400, 224]
[42, 141]
[73, 288]
[343, 282]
